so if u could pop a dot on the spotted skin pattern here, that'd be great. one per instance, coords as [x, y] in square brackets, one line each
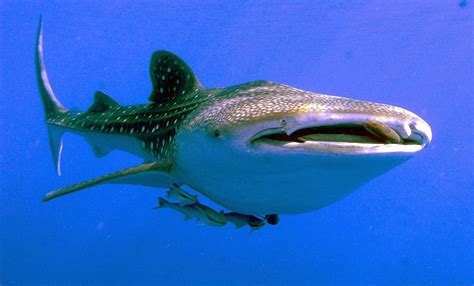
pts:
[179, 101]
[154, 125]
[263, 100]
[177, 93]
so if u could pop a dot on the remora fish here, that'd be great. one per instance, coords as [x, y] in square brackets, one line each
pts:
[213, 217]
[181, 196]
[240, 146]
[196, 211]
[189, 211]
[240, 220]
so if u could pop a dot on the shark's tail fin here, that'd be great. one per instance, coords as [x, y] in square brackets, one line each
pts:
[52, 107]
[51, 104]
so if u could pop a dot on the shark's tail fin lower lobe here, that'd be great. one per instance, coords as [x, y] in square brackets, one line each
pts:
[52, 107]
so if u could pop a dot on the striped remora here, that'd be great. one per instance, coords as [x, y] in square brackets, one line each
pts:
[255, 148]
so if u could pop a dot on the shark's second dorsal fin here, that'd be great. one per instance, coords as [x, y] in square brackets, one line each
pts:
[171, 77]
[102, 102]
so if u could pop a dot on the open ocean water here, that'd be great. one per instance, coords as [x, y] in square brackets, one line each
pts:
[411, 226]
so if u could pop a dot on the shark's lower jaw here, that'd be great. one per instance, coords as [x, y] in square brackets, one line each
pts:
[336, 147]
[361, 136]
[344, 139]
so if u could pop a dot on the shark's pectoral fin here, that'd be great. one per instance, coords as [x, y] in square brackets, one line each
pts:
[162, 166]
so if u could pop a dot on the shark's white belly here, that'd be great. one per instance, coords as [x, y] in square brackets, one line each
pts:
[259, 184]
[255, 183]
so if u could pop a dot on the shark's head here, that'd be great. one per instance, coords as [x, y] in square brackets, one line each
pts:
[273, 139]
[266, 117]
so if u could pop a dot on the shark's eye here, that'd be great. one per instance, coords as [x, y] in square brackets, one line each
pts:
[217, 133]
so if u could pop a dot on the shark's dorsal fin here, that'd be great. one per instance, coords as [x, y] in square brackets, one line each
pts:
[171, 77]
[102, 102]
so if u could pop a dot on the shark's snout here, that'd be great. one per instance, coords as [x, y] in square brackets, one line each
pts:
[420, 132]
[266, 113]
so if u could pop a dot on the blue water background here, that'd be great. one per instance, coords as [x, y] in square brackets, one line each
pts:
[413, 225]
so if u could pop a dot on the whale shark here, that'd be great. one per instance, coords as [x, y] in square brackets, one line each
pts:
[258, 148]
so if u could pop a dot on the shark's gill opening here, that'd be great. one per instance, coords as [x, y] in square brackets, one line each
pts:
[347, 133]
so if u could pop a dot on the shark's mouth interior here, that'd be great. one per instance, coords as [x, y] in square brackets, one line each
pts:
[341, 133]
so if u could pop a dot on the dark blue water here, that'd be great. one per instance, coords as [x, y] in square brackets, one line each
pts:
[414, 225]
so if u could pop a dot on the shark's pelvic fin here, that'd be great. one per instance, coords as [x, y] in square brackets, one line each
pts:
[102, 102]
[98, 150]
[162, 166]
[171, 77]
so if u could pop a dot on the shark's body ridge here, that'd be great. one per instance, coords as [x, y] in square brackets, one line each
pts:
[256, 148]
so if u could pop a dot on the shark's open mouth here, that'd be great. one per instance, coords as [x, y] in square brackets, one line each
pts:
[343, 138]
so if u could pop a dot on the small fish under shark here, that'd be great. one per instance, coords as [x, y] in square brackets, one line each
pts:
[209, 216]
[240, 220]
[181, 196]
[196, 211]
[259, 148]
[190, 206]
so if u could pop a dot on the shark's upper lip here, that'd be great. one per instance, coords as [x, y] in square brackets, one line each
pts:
[349, 136]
